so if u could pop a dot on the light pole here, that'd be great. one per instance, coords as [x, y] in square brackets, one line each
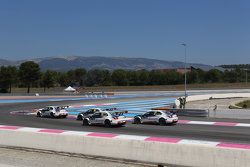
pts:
[246, 75]
[185, 68]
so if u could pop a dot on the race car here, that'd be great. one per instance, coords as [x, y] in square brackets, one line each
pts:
[106, 118]
[156, 116]
[87, 113]
[53, 112]
[91, 111]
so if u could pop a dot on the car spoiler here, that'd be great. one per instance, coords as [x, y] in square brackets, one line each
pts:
[63, 107]
[118, 112]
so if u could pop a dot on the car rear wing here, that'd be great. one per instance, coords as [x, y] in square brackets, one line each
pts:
[118, 112]
[110, 109]
[64, 107]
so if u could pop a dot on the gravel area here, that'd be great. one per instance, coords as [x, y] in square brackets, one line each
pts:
[12, 157]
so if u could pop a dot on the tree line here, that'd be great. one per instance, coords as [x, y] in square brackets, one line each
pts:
[234, 66]
[29, 74]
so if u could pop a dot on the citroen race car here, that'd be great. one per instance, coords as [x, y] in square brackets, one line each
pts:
[156, 116]
[91, 111]
[106, 118]
[53, 112]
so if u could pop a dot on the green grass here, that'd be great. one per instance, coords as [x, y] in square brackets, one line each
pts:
[244, 104]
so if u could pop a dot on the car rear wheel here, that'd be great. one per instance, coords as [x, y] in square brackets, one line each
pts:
[52, 115]
[85, 122]
[137, 121]
[107, 123]
[162, 121]
[38, 114]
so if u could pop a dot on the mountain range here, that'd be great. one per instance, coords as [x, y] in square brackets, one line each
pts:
[111, 63]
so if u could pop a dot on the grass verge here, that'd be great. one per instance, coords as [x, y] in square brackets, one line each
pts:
[244, 104]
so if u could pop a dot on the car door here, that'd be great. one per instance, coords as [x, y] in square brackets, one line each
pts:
[152, 117]
[101, 119]
[46, 111]
[95, 118]
[147, 116]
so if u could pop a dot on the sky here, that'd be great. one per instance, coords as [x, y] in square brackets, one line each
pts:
[215, 31]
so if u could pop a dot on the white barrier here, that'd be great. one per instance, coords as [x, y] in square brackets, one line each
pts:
[184, 153]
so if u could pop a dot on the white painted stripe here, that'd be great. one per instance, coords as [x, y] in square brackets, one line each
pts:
[201, 123]
[198, 142]
[78, 133]
[131, 137]
[243, 125]
[27, 129]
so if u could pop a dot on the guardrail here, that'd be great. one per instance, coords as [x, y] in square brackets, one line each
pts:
[191, 112]
[186, 112]
[161, 151]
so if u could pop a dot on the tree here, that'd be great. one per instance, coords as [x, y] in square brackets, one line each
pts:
[8, 76]
[29, 73]
[63, 79]
[98, 77]
[119, 77]
[77, 76]
[213, 76]
[48, 79]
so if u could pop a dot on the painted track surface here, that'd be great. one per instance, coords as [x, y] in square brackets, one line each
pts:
[187, 131]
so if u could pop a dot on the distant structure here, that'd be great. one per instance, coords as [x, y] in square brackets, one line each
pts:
[179, 70]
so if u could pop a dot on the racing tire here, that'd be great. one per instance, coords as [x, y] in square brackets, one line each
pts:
[107, 123]
[85, 122]
[79, 117]
[64, 116]
[38, 114]
[162, 121]
[137, 121]
[52, 115]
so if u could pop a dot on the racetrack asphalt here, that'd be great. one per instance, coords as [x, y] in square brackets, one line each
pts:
[185, 131]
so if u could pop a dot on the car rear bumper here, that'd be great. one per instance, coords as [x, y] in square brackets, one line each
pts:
[119, 122]
[172, 120]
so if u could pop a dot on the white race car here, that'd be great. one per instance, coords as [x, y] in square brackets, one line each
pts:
[106, 118]
[156, 116]
[53, 112]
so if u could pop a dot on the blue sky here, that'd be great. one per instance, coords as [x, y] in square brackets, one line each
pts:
[216, 31]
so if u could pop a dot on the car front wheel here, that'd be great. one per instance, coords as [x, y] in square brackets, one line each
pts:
[137, 121]
[85, 122]
[79, 117]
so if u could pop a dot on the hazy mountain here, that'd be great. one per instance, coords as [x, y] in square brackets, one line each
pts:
[6, 62]
[110, 63]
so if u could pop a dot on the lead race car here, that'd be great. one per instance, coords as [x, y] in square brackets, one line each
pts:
[106, 118]
[53, 112]
[156, 116]
[91, 111]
